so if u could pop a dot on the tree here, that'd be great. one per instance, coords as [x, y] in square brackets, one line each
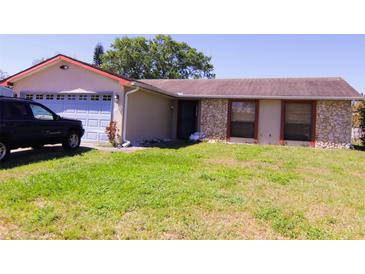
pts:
[39, 60]
[98, 53]
[3, 75]
[157, 58]
[362, 123]
[356, 117]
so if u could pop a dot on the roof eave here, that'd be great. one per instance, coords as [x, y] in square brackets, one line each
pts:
[60, 57]
[347, 98]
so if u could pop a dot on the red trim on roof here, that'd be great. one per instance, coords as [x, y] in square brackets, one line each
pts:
[60, 57]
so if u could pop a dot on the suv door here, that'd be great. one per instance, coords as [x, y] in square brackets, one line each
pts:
[17, 124]
[46, 121]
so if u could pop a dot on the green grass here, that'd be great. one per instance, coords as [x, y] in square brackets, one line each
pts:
[203, 191]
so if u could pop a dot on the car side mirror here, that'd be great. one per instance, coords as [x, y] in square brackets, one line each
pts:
[57, 117]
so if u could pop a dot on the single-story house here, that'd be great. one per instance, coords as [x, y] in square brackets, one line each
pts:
[4, 91]
[295, 111]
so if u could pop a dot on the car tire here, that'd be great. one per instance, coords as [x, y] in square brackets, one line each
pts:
[72, 141]
[4, 151]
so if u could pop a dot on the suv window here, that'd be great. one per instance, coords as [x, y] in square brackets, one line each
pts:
[15, 111]
[41, 113]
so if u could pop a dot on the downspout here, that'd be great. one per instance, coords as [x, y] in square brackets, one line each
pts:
[125, 111]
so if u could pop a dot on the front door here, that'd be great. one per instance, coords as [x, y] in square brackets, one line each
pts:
[187, 116]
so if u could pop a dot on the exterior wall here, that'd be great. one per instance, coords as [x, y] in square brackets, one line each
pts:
[333, 122]
[53, 79]
[269, 122]
[213, 118]
[333, 126]
[149, 116]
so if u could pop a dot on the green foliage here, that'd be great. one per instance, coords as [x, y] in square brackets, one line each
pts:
[356, 118]
[157, 58]
[98, 53]
[361, 112]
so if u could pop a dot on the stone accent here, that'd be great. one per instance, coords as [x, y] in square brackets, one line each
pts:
[333, 125]
[213, 118]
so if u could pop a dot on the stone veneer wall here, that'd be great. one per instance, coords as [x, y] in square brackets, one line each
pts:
[333, 125]
[213, 118]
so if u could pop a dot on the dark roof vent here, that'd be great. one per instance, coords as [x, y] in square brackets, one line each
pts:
[64, 67]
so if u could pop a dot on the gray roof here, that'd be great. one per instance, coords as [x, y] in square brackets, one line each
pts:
[301, 88]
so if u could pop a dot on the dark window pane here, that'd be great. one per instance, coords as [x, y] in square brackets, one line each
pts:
[242, 129]
[298, 119]
[243, 119]
[297, 132]
[15, 111]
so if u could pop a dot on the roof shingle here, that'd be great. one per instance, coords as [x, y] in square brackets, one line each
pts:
[327, 87]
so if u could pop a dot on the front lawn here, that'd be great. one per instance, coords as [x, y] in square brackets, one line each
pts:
[203, 191]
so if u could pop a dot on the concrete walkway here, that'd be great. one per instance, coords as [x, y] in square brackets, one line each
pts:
[108, 148]
[101, 147]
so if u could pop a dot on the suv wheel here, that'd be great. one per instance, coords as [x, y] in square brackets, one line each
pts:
[4, 151]
[72, 141]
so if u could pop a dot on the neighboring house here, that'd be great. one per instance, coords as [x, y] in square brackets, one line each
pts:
[295, 111]
[5, 91]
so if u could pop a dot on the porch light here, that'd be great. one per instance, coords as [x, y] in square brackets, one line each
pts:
[116, 98]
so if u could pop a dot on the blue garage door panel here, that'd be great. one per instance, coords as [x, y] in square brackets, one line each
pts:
[93, 110]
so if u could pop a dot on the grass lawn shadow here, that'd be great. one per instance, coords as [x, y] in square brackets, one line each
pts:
[25, 157]
[359, 148]
[176, 144]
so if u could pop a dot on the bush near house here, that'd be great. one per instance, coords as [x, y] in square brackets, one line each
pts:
[362, 123]
[201, 191]
[112, 132]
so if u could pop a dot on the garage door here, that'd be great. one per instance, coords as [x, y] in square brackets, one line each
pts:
[93, 110]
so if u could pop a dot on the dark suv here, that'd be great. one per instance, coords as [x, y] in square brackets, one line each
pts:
[24, 123]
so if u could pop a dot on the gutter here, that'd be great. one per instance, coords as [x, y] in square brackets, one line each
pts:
[181, 95]
[125, 111]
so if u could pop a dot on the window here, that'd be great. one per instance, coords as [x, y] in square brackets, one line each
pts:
[107, 97]
[60, 97]
[29, 96]
[243, 119]
[49, 97]
[15, 111]
[298, 121]
[40, 112]
[83, 97]
[94, 98]
[71, 97]
[39, 96]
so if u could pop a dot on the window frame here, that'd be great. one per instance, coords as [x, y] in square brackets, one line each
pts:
[44, 107]
[313, 120]
[256, 123]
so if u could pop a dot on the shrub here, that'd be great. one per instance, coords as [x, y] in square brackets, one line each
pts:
[112, 132]
[362, 124]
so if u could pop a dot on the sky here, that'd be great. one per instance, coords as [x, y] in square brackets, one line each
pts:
[233, 56]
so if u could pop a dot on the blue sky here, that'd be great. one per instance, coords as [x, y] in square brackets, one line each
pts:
[233, 55]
